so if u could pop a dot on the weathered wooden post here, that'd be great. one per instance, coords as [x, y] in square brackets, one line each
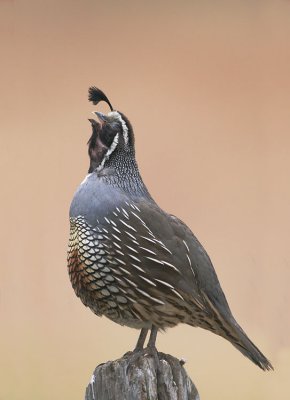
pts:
[141, 376]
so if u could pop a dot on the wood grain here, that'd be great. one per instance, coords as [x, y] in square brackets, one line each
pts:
[141, 376]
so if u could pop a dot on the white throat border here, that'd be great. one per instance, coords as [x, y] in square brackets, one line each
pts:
[109, 152]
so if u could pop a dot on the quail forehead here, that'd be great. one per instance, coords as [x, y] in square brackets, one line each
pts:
[115, 115]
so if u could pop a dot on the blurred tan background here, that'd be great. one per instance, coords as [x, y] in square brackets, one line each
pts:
[206, 86]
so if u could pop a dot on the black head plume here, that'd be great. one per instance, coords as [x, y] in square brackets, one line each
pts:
[96, 95]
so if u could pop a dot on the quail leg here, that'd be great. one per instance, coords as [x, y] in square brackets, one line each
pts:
[151, 346]
[141, 340]
[152, 338]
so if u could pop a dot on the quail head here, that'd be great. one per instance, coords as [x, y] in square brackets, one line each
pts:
[133, 262]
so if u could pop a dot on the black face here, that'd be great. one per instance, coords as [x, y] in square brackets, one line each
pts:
[97, 149]
[101, 140]
[108, 132]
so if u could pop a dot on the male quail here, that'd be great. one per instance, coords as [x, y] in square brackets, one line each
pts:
[131, 261]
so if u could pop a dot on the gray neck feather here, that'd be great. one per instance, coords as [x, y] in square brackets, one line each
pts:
[122, 171]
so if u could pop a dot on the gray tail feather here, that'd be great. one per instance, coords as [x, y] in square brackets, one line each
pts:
[248, 349]
[228, 328]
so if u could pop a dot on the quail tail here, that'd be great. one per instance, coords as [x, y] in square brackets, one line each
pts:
[241, 341]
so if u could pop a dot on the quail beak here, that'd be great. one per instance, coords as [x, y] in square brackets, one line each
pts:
[102, 117]
[93, 122]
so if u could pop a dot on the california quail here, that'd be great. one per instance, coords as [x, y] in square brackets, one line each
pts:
[131, 261]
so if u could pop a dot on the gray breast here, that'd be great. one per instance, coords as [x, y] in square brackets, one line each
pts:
[94, 199]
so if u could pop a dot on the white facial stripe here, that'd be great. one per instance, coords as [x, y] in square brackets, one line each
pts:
[117, 116]
[109, 151]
